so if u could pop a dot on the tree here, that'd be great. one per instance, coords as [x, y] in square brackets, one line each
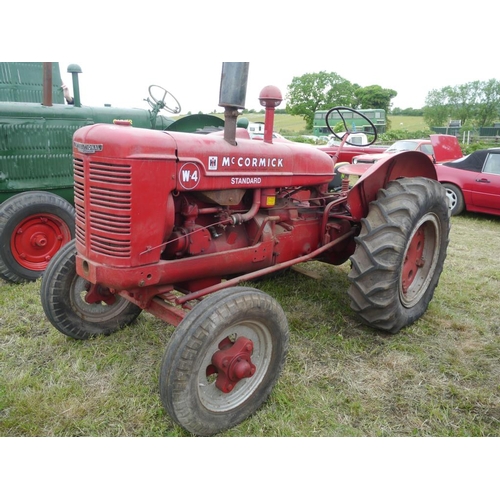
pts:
[436, 109]
[374, 97]
[475, 102]
[489, 109]
[312, 92]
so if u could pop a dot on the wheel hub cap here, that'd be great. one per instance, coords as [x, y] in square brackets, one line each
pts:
[232, 363]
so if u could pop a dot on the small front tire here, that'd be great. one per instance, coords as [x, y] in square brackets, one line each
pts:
[63, 300]
[190, 382]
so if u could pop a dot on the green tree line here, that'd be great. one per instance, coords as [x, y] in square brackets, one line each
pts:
[476, 103]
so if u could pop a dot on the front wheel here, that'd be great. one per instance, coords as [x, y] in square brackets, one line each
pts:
[34, 226]
[400, 253]
[63, 294]
[223, 360]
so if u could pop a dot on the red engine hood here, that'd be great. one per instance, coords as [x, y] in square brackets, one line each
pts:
[446, 147]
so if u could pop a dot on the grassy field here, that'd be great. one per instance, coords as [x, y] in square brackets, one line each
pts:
[288, 124]
[438, 377]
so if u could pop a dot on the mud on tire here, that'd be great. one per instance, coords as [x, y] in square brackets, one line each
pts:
[400, 253]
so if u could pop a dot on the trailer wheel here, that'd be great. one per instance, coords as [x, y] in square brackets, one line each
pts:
[63, 300]
[223, 360]
[400, 253]
[33, 226]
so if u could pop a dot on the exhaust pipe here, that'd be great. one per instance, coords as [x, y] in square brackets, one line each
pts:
[233, 90]
[47, 84]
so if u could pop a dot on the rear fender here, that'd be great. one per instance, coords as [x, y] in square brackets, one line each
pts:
[405, 164]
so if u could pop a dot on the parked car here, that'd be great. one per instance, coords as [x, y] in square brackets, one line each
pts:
[472, 182]
[423, 145]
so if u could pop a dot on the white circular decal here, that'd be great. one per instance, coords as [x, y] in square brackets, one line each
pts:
[189, 176]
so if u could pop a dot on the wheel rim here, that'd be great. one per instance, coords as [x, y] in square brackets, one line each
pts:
[452, 199]
[35, 240]
[210, 396]
[421, 257]
[97, 312]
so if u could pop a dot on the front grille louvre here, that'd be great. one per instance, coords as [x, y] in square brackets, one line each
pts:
[109, 220]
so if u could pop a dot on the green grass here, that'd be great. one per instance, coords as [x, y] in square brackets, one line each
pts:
[407, 123]
[438, 377]
[288, 124]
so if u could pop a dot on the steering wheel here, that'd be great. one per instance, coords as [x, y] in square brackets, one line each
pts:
[338, 110]
[161, 103]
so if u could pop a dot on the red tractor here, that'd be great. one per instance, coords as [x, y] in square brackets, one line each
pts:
[173, 223]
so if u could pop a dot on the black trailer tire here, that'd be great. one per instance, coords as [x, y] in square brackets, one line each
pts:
[400, 253]
[62, 295]
[455, 198]
[34, 226]
[189, 395]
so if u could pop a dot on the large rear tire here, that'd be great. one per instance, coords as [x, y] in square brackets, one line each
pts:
[34, 226]
[63, 300]
[400, 253]
[193, 378]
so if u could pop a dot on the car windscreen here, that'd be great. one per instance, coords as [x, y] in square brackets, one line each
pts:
[402, 146]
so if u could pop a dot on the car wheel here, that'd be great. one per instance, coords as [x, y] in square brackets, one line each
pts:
[455, 199]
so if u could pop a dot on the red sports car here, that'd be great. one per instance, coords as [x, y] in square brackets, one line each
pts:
[472, 182]
[423, 145]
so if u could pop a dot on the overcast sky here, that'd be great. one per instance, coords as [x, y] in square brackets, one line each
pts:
[124, 49]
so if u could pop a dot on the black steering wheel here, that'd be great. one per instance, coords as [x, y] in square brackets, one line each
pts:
[161, 103]
[339, 109]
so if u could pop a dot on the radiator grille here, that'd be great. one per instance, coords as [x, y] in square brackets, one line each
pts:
[109, 218]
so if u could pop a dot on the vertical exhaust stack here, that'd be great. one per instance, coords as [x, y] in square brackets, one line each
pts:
[47, 84]
[233, 90]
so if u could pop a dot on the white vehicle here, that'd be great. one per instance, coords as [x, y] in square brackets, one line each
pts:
[358, 138]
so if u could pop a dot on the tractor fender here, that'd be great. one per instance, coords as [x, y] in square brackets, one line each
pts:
[377, 176]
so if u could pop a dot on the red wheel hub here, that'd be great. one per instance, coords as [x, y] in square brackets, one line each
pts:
[97, 294]
[413, 259]
[36, 239]
[232, 363]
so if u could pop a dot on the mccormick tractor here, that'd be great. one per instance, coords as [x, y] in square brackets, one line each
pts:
[179, 225]
[36, 169]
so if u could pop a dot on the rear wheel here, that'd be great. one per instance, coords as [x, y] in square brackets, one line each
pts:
[33, 227]
[400, 253]
[455, 199]
[223, 360]
[63, 294]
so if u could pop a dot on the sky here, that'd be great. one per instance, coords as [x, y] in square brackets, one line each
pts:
[122, 49]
